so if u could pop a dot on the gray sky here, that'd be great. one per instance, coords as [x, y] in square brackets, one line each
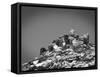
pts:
[40, 26]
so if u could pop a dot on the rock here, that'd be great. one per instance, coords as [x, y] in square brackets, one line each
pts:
[68, 51]
[43, 51]
[67, 40]
[72, 32]
[50, 48]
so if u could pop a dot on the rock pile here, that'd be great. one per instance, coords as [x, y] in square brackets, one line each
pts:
[68, 51]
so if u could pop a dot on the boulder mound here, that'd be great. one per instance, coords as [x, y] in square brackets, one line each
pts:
[68, 51]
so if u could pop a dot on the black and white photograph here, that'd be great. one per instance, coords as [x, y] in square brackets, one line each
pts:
[49, 38]
[55, 38]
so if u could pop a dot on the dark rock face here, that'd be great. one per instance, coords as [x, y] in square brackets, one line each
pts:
[43, 51]
[69, 51]
[50, 48]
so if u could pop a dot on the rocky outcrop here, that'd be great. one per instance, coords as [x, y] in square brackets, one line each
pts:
[68, 51]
